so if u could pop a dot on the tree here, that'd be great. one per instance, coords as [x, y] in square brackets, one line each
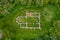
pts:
[45, 2]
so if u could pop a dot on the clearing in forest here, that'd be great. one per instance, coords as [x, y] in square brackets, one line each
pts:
[30, 21]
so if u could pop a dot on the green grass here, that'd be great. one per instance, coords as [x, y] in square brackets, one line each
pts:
[22, 20]
[33, 19]
[30, 33]
[26, 33]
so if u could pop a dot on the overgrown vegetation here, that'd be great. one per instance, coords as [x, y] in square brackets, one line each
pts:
[50, 19]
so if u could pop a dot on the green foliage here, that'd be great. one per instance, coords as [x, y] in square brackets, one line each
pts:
[50, 19]
[45, 1]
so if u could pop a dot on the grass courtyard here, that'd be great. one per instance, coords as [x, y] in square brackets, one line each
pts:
[30, 20]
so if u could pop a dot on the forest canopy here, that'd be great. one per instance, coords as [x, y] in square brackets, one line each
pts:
[50, 19]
